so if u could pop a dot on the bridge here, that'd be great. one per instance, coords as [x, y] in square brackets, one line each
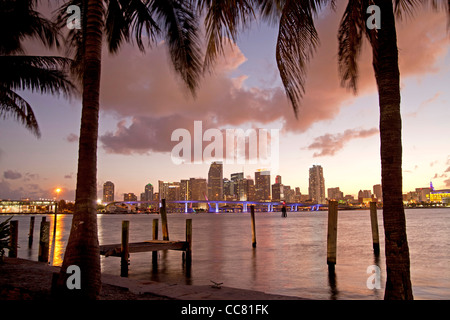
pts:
[214, 205]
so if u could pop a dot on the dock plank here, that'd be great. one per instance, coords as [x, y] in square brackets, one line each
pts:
[145, 246]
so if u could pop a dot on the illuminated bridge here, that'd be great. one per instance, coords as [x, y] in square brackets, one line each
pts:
[214, 205]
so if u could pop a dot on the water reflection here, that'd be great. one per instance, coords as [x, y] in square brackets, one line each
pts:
[332, 283]
[57, 244]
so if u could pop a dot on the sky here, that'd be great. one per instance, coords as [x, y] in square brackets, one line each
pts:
[143, 102]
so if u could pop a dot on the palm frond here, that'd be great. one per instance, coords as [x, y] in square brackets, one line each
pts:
[296, 43]
[35, 73]
[224, 19]
[13, 105]
[19, 20]
[181, 35]
[350, 34]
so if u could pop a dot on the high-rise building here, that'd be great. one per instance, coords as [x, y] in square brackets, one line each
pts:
[129, 197]
[335, 194]
[163, 189]
[148, 191]
[185, 190]
[250, 190]
[199, 188]
[278, 179]
[378, 192]
[234, 186]
[262, 185]
[277, 192]
[108, 191]
[317, 184]
[364, 194]
[215, 181]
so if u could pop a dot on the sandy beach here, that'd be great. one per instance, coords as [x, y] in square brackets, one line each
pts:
[22, 279]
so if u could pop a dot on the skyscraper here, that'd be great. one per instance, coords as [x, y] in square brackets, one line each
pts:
[378, 192]
[148, 191]
[262, 185]
[215, 181]
[108, 191]
[317, 184]
[234, 186]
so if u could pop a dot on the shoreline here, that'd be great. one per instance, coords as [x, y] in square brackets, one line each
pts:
[23, 279]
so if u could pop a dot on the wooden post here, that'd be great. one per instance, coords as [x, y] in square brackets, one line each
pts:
[332, 233]
[44, 239]
[165, 229]
[155, 237]
[189, 242]
[31, 232]
[124, 249]
[13, 236]
[252, 213]
[374, 223]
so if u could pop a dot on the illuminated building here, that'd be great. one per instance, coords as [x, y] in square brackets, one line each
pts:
[317, 184]
[440, 196]
[262, 185]
[148, 190]
[108, 191]
[129, 197]
[215, 181]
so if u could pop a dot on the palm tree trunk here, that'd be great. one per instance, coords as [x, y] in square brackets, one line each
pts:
[83, 248]
[398, 282]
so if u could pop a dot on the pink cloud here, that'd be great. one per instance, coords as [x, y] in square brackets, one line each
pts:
[329, 144]
[145, 88]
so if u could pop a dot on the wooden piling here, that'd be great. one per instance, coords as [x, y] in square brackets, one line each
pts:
[124, 249]
[13, 237]
[189, 243]
[155, 237]
[31, 232]
[252, 213]
[374, 223]
[163, 212]
[44, 240]
[332, 233]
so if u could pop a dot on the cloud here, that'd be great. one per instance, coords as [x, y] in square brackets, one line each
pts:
[12, 175]
[31, 176]
[329, 144]
[447, 183]
[68, 176]
[148, 92]
[72, 137]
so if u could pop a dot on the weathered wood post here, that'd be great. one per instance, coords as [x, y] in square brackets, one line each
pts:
[44, 240]
[332, 234]
[155, 237]
[163, 212]
[252, 213]
[374, 223]
[124, 249]
[189, 243]
[13, 236]
[31, 232]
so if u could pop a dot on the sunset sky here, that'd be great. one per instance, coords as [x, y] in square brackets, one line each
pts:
[143, 102]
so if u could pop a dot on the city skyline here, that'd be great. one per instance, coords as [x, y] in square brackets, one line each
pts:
[336, 129]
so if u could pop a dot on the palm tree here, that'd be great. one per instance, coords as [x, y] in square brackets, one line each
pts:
[117, 21]
[18, 21]
[296, 43]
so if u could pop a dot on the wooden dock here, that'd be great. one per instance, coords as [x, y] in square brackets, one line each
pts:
[115, 250]
[125, 248]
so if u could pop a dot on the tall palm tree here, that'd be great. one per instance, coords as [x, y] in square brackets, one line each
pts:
[44, 74]
[296, 43]
[117, 21]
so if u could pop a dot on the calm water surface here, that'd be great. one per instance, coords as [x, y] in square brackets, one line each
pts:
[290, 257]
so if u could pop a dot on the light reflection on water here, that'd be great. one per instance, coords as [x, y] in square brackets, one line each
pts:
[290, 257]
